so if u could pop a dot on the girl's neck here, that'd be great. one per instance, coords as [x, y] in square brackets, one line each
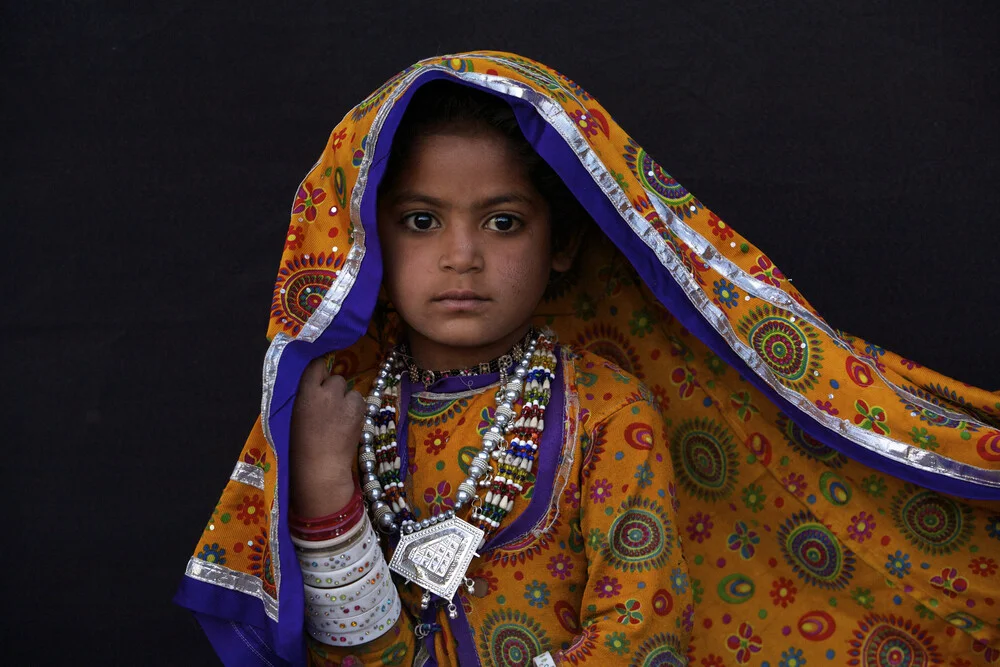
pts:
[428, 356]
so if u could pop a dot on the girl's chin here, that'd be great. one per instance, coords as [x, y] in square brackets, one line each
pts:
[461, 346]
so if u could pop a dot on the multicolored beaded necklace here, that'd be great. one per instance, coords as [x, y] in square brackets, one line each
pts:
[498, 365]
[435, 552]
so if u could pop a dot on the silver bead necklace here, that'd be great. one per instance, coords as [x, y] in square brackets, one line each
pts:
[434, 552]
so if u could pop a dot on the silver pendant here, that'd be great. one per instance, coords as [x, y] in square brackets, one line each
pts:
[436, 558]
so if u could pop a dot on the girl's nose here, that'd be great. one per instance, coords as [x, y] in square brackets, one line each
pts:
[461, 250]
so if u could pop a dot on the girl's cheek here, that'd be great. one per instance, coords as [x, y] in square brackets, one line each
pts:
[511, 271]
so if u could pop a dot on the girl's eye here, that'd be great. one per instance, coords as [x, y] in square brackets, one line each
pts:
[503, 223]
[420, 222]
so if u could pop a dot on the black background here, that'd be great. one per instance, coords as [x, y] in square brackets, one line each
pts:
[151, 154]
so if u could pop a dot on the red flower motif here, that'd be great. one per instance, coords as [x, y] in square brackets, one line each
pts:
[251, 510]
[683, 378]
[719, 228]
[827, 407]
[492, 583]
[293, 240]
[608, 587]
[439, 500]
[989, 653]
[744, 643]
[783, 592]
[560, 566]
[306, 200]
[587, 123]
[255, 457]
[741, 402]
[766, 272]
[795, 484]
[338, 138]
[694, 264]
[870, 417]
[861, 527]
[712, 660]
[949, 583]
[436, 441]
[984, 567]
[699, 527]
[661, 397]
[628, 612]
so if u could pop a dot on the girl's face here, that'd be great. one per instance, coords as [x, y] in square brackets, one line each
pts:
[467, 250]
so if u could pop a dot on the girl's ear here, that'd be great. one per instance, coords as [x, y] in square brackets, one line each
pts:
[562, 260]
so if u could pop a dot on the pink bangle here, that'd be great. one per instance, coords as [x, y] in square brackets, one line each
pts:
[313, 545]
[331, 522]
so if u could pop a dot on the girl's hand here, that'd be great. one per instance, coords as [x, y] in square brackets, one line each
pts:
[326, 429]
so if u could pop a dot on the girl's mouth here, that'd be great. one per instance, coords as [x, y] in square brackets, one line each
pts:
[457, 300]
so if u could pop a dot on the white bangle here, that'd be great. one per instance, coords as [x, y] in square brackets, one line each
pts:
[315, 545]
[362, 563]
[374, 631]
[358, 622]
[331, 560]
[363, 603]
[332, 597]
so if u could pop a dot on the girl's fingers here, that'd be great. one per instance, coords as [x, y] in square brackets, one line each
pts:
[336, 385]
[315, 373]
[355, 405]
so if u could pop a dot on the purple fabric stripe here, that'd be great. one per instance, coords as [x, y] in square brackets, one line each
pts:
[453, 385]
[462, 631]
[428, 616]
[235, 624]
[238, 645]
[402, 432]
[291, 597]
[549, 450]
[549, 453]
[548, 456]
[212, 600]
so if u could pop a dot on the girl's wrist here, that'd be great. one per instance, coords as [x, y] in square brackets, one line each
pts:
[330, 525]
[317, 492]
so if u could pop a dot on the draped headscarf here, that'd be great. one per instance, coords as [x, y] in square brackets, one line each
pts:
[666, 290]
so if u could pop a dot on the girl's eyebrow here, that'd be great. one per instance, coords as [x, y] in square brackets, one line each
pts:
[489, 202]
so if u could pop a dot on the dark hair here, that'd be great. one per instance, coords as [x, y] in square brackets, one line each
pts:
[440, 104]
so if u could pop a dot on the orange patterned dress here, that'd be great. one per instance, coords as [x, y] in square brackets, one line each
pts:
[595, 573]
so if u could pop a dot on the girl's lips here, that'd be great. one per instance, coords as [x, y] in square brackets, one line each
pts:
[459, 295]
[461, 305]
[460, 300]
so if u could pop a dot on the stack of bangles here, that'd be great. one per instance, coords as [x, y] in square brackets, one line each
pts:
[350, 597]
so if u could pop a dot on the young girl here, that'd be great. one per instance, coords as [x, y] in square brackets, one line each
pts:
[531, 387]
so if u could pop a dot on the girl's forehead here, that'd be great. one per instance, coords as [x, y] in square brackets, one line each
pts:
[461, 161]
